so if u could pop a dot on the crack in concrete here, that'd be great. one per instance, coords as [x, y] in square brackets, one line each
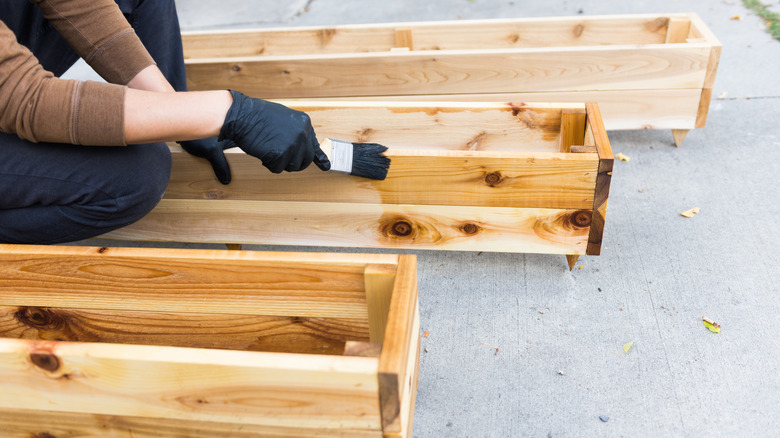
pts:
[303, 10]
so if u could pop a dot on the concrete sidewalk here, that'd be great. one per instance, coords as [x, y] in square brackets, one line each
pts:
[560, 364]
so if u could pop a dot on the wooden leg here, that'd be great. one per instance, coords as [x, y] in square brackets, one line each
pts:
[679, 135]
[572, 259]
[233, 246]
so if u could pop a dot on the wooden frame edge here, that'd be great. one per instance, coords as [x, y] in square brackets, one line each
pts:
[603, 179]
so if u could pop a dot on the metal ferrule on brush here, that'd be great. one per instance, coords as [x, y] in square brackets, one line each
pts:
[341, 156]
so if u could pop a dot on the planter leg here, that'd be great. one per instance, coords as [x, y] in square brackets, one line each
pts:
[679, 135]
[233, 246]
[572, 259]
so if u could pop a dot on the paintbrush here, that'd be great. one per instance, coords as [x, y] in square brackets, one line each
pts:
[366, 160]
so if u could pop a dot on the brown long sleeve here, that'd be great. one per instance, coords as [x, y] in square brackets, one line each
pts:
[39, 107]
[99, 33]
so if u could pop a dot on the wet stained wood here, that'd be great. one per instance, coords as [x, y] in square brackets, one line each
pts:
[596, 135]
[234, 332]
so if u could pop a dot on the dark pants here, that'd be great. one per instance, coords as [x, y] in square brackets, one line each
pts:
[55, 193]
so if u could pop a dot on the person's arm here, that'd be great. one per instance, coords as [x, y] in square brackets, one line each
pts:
[170, 116]
[99, 32]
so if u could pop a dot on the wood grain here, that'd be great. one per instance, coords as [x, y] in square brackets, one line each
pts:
[368, 225]
[439, 35]
[491, 71]
[24, 423]
[157, 280]
[572, 129]
[621, 109]
[379, 290]
[532, 180]
[265, 389]
[403, 330]
[235, 332]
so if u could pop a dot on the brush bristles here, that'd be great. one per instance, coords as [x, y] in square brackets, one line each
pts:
[369, 161]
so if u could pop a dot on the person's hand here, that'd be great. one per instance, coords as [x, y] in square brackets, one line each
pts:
[211, 149]
[282, 138]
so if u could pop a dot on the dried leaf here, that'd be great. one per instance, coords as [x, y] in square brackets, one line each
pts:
[488, 345]
[627, 347]
[691, 212]
[426, 333]
[736, 17]
[712, 326]
[723, 95]
[622, 157]
[581, 266]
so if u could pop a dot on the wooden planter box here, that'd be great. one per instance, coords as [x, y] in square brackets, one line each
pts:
[130, 342]
[645, 71]
[464, 176]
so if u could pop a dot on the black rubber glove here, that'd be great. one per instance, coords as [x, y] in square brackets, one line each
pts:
[211, 149]
[282, 138]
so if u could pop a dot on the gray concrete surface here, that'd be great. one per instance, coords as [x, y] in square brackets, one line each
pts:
[560, 363]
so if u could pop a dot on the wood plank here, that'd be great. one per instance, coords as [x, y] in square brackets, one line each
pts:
[572, 128]
[621, 109]
[449, 126]
[670, 66]
[24, 423]
[606, 161]
[379, 290]
[677, 30]
[267, 389]
[367, 225]
[157, 280]
[704, 107]
[399, 345]
[439, 35]
[482, 179]
[289, 334]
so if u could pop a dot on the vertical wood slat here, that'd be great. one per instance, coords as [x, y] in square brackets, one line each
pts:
[393, 361]
[572, 128]
[596, 133]
[678, 29]
[379, 291]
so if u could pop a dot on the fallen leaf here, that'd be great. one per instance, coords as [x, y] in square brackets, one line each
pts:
[488, 345]
[622, 157]
[723, 95]
[426, 333]
[581, 266]
[691, 212]
[713, 326]
[627, 347]
[736, 17]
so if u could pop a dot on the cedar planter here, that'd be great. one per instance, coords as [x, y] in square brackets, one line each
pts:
[129, 342]
[645, 71]
[464, 176]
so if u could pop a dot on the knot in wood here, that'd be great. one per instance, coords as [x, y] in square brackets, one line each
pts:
[236, 67]
[582, 218]
[102, 249]
[470, 228]
[493, 178]
[215, 194]
[42, 435]
[45, 361]
[401, 228]
[38, 318]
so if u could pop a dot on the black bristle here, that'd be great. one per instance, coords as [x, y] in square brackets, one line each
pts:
[369, 161]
